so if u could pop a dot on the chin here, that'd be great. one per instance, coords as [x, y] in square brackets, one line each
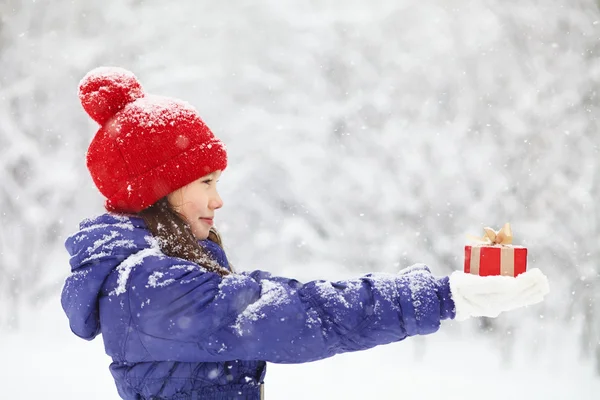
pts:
[201, 235]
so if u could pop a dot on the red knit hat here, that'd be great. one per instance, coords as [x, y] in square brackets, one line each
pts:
[147, 146]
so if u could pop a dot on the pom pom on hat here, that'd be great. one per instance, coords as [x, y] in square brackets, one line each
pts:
[104, 91]
[147, 145]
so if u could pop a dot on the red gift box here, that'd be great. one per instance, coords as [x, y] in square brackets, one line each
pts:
[495, 255]
[495, 260]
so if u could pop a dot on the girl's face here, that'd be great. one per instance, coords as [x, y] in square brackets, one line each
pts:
[197, 202]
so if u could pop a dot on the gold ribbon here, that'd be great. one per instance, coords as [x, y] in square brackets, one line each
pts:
[491, 237]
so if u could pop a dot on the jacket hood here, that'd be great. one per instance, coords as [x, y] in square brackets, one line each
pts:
[99, 246]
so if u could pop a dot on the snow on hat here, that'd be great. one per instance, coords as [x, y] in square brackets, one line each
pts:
[147, 146]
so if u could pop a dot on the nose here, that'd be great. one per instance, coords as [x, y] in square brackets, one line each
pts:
[215, 202]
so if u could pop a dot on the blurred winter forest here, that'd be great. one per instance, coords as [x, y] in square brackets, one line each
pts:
[362, 136]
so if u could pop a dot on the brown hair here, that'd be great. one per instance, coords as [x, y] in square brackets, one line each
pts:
[175, 236]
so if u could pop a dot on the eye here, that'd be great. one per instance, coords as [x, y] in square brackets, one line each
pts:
[207, 181]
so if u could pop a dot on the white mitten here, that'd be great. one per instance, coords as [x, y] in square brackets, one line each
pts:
[488, 296]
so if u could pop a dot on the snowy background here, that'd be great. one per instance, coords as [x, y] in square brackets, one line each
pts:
[361, 138]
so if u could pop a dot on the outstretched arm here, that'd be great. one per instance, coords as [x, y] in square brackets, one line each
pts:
[256, 316]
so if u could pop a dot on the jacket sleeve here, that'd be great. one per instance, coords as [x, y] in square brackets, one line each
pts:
[255, 316]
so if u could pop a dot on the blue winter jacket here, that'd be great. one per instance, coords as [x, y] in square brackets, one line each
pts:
[176, 331]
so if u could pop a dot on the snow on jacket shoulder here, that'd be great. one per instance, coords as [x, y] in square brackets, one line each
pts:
[153, 308]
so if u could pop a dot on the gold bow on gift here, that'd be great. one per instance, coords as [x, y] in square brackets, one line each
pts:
[492, 237]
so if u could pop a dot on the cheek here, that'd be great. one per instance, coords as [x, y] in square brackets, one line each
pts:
[190, 212]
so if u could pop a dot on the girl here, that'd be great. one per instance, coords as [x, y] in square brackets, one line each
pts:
[178, 322]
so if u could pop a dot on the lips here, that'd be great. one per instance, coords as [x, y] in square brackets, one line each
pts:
[208, 221]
